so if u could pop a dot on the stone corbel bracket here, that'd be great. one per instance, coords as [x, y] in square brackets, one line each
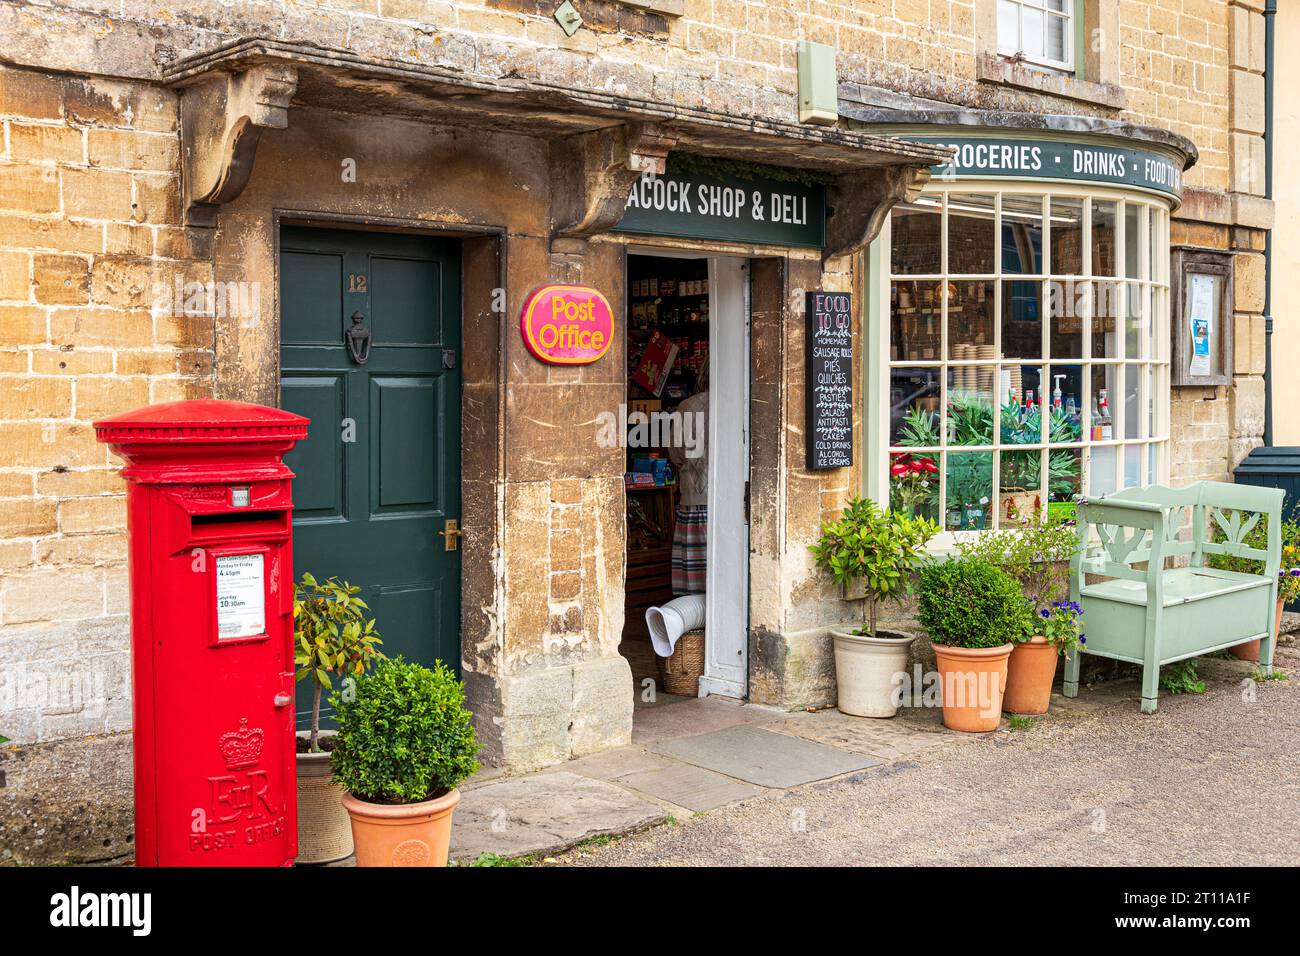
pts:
[223, 115]
[592, 174]
[861, 200]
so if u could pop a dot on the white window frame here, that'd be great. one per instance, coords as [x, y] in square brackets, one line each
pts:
[1008, 47]
[1152, 275]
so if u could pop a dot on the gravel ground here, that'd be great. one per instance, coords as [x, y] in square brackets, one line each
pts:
[1208, 780]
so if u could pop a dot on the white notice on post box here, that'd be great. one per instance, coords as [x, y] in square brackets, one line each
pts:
[241, 596]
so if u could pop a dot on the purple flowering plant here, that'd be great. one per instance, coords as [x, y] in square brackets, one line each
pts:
[1063, 626]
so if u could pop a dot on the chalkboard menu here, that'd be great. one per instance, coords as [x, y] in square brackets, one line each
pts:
[829, 386]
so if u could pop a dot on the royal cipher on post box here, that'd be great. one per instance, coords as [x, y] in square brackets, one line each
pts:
[209, 518]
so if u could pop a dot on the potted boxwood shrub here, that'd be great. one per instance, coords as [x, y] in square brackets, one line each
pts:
[973, 612]
[332, 635]
[1036, 553]
[882, 549]
[404, 743]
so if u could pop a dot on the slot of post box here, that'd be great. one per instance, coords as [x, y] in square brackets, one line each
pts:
[244, 524]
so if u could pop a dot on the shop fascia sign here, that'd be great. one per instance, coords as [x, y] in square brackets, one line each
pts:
[981, 157]
[756, 209]
[567, 324]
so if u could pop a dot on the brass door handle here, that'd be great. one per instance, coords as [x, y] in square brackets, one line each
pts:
[450, 535]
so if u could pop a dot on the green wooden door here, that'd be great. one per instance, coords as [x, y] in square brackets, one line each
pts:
[379, 474]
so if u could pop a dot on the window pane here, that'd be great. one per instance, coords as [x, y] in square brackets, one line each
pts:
[1020, 476]
[969, 490]
[1132, 466]
[914, 407]
[1064, 481]
[914, 248]
[1022, 235]
[1132, 239]
[1101, 471]
[1153, 465]
[970, 405]
[1067, 305]
[1031, 31]
[1157, 324]
[1021, 404]
[1067, 236]
[1106, 302]
[970, 234]
[1022, 324]
[914, 484]
[970, 318]
[1135, 333]
[1059, 5]
[916, 321]
[1103, 237]
[1102, 424]
[1132, 402]
[1058, 38]
[1008, 27]
[1156, 246]
[1151, 401]
[1064, 411]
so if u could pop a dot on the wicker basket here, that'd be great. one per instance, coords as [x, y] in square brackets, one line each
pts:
[681, 673]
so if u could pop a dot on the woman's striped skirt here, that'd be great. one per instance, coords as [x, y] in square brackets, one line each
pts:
[690, 555]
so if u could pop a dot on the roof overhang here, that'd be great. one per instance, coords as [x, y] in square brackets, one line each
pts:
[233, 92]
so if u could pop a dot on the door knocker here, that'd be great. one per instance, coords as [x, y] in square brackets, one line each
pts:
[359, 339]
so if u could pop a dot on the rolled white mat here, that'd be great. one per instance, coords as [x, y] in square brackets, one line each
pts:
[670, 622]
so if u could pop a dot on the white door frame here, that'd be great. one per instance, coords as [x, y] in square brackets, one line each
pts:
[726, 625]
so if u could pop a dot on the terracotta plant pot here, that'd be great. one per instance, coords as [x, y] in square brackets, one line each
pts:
[324, 833]
[408, 834]
[1250, 650]
[1030, 671]
[972, 682]
[865, 669]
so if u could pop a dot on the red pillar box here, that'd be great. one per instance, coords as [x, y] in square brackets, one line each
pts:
[209, 516]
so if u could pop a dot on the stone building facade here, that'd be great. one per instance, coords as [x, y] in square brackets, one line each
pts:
[145, 154]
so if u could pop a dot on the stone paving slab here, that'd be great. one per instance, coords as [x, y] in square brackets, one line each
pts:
[691, 787]
[612, 764]
[699, 715]
[764, 757]
[544, 813]
[887, 739]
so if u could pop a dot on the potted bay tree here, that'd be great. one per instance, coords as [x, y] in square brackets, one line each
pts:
[882, 549]
[333, 635]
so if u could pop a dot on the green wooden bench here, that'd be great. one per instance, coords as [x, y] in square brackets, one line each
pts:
[1157, 615]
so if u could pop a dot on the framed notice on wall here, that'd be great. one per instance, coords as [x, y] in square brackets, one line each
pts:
[828, 364]
[1201, 318]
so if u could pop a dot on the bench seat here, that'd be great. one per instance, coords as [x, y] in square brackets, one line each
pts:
[1145, 612]
[1181, 586]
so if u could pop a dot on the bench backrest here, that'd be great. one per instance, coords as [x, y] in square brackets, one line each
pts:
[1140, 525]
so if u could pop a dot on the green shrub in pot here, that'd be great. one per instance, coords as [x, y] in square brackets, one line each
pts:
[966, 602]
[974, 612]
[405, 735]
[405, 742]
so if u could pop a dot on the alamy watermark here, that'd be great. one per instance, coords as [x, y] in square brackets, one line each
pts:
[658, 429]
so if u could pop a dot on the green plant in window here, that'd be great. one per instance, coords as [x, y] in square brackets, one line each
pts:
[920, 428]
[970, 420]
